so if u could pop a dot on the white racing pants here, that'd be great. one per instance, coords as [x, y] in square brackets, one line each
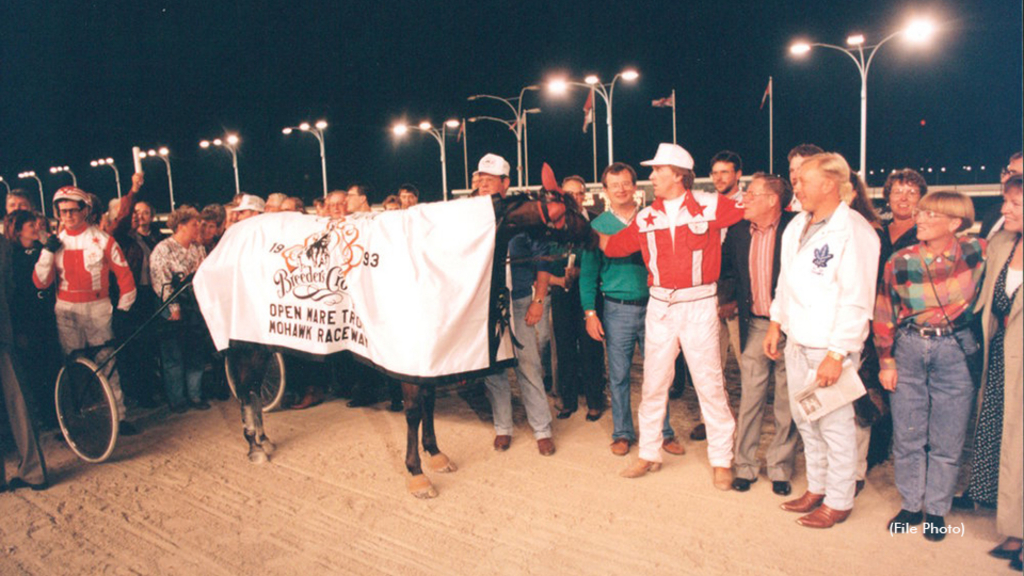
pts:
[88, 325]
[684, 319]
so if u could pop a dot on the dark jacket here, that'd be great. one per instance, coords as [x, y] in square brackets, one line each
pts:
[734, 283]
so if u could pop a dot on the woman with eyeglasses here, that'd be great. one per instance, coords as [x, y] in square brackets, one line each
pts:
[923, 312]
[902, 191]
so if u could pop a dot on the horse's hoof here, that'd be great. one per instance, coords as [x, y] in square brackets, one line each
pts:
[257, 455]
[420, 487]
[441, 463]
[267, 445]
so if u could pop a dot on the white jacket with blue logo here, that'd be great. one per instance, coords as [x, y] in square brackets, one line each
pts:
[826, 292]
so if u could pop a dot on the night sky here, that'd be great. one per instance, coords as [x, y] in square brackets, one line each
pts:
[86, 80]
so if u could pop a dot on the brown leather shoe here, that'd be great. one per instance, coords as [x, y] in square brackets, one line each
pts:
[824, 517]
[721, 478]
[546, 446]
[620, 447]
[803, 504]
[673, 446]
[639, 468]
[502, 442]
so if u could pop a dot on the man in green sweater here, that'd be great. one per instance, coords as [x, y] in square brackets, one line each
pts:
[623, 284]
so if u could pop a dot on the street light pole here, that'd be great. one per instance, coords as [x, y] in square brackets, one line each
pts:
[32, 174]
[439, 136]
[109, 162]
[229, 142]
[917, 32]
[317, 131]
[605, 91]
[517, 126]
[59, 169]
[526, 142]
[163, 155]
[6, 185]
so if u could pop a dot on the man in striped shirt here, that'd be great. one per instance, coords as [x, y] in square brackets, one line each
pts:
[750, 267]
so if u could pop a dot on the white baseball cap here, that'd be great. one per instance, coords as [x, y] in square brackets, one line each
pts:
[250, 202]
[671, 155]
[494, 165]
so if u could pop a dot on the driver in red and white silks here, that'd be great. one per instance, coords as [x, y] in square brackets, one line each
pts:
[82, 257]
[679, 236]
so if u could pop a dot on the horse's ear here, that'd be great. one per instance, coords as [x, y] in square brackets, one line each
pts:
[547, 177]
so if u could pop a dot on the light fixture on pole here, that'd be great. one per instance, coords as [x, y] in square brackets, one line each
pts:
[59, 169]
[439, 135]
[917, 32]
[32, 174]
[316, 130]
[6, 185]
[516, 125]
[605, 91]
[162, 154]
[109, 162]
[229, 142]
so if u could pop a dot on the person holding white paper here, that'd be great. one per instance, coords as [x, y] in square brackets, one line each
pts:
[823, 302]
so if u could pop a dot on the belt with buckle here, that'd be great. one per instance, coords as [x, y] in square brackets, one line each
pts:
[931, 331]
[639, 302]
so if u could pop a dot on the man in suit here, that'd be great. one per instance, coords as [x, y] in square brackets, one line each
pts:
[31, 466]
[750, 269]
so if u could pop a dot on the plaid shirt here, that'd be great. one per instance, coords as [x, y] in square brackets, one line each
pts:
[906, 295]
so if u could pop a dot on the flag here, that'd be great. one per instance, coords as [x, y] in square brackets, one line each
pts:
[462, 132]
[767, 93]
[588, 110]
[666, 102]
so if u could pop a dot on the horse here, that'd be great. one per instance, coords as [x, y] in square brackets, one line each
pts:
[548, 213]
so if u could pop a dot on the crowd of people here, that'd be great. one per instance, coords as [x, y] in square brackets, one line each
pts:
[906, 326]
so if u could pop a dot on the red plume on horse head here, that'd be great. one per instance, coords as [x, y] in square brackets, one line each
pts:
[547, 178]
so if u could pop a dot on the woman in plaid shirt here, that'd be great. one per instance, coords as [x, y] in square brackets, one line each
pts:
[922, 316]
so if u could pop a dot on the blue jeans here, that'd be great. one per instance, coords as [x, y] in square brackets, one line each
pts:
[623, 330]
[930, 406]
[529, 375]
[180, 371]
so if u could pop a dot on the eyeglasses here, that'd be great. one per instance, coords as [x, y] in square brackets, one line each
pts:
[69, 211]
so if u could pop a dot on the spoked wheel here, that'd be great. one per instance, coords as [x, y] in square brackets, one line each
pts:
[86, 410]
[272, 384]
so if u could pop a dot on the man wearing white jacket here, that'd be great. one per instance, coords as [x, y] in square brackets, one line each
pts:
[823, 302]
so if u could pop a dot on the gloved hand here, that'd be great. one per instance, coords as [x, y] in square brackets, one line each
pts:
[53, 243]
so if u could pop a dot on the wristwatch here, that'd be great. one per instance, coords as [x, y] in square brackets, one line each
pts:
[836, 356]
[589, 313]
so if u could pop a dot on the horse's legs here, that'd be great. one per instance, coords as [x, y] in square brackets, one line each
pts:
[245, 371]
[429, 438]
[438, 462]
[413, 400]
[418, 484]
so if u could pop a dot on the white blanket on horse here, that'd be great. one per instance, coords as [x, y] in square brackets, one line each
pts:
[406, 290]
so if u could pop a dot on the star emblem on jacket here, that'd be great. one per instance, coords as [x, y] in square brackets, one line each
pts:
[651, 219]
[821, 256]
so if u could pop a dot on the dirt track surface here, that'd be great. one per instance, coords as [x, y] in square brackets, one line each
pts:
[182, 498]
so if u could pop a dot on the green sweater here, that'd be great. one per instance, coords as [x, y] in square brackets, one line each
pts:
[622, 278]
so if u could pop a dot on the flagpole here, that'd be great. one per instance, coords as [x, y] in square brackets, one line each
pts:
[465, 153]
[526, 151]
[593, 132]
[771, 132]
[673, 115]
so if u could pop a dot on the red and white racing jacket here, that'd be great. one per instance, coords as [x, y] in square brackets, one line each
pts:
[695, 257]
[84, 263]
